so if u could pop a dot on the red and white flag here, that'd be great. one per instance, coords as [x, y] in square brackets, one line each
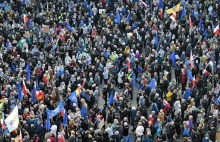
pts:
[191, 60]
[161, 13]
[216, 30]
[193, 82]
[24, 89]
[145, 5]
[25, 20]
[173, 16]
[190, 23]
[205, 72]
[129, 64]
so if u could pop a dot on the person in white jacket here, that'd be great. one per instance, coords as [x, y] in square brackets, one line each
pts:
[139, 130]
[120, 78]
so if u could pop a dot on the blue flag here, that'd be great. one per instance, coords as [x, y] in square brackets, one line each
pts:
[117, 18]
[205, 34]
[83, 114]
[189, 75]
[160, 4]
[111, 99]
[87, 97]
[173, 59]
[200, 25]
[187, 94]
[20, 96]
[28, 71]
[65, 119]
[217, 101]
[128, 19]
[69, 28]
[48, 121]
[33, 95]
[90, 12]
[52, 113]
[156, 42]
[133, 79]
[73, 97]
[183, 14]
[152, 84]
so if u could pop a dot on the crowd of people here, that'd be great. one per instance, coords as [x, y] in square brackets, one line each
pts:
[93, 71]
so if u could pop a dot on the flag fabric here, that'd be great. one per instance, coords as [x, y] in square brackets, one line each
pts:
[187, 94]
[101, 123]
[28, 71]
[173, 16]
[24, 89]
[90, 12]
[33, 95]
[85, 96]
[205, 34]
[191, 60]
[48, 121]
[2, 124]
[173, 9]
[78, 91]
[217, 100]
[117, 19]
[25, 20]
[173, 59]
[189, 75]
[205, 72]
[201, 25]
[152, 84]
[84, 114]
[156, 42]
[216, 30]
[133, 79]
[160, 4]
[69, 28]
[210, 66]
[190, 23]
[73, 97]
[12, 120]
[161, 13]
[128, 19]
[183, 14]
[20, 96]
[145, 5]
[65, 119]
[111, 99]
[129, 64]
[59, 109]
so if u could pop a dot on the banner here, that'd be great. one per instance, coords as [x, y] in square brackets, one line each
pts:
[12, 120]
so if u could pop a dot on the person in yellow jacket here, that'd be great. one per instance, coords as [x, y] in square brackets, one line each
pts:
[169, 96]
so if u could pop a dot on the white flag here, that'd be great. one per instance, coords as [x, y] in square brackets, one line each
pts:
[101, 123]
[12, 120]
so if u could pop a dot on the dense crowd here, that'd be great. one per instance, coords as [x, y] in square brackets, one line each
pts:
[94, 71]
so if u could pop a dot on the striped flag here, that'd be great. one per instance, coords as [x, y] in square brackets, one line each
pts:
[190, 23]
[173, 17]
[25, 20]
[191, 60]
[145, 5]
[216, 30]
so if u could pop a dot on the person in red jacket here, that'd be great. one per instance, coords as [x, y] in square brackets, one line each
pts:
[183, 80]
